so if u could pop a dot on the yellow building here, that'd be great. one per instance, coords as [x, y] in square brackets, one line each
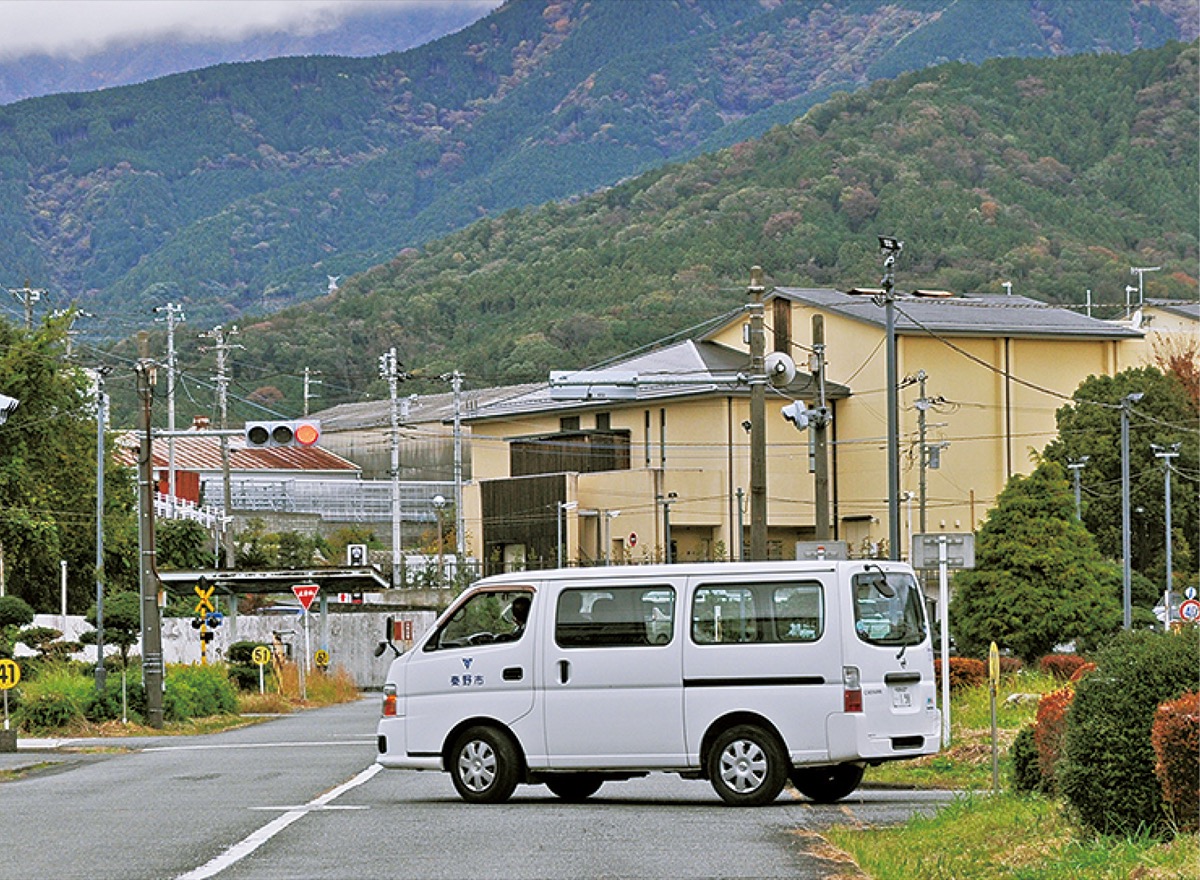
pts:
[656, 444]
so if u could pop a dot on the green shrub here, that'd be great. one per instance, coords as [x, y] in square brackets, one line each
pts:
[198, 692]
[242, 668]
[56, 700]
[1107, 768]
[1176, 740]
[1027, 776]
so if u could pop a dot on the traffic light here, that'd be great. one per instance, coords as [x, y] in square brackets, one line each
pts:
[301, 432]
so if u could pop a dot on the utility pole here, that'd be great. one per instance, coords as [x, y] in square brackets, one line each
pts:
[1166, 453]
[152, 657]
[922, 405]
[101, 417]
[892, 247]
[460, 547]
[308, 381]
[820, 424]
[1127, 403]
[174, 315]
[223, 346]
[27, 296]
[390, 369]
[758, 419]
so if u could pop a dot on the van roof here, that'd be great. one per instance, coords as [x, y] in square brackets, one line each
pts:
[690, 569]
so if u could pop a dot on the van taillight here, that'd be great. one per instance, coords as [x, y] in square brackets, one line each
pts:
[389, 700]
[851, 690]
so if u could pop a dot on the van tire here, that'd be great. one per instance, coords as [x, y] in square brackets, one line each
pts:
[484, 766]
[574, 787]
[747, 766]
[827, 785]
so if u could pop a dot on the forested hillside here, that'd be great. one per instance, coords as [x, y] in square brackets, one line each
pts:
[237, 189]
[1054, 175]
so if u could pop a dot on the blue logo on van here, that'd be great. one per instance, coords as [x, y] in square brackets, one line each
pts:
[467, 661]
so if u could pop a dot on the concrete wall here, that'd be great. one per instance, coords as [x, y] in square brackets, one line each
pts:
[350, 638]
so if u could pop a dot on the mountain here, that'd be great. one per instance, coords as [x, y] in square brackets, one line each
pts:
[1054, 175]
[239, 188]
[358, 32]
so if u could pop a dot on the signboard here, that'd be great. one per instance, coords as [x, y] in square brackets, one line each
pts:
[321, 658]
[960, 550]
[261, 655]
[633, 539]
[10, 674]
[306, 593]
[402, 630]
[1189, 610]
[994, 665]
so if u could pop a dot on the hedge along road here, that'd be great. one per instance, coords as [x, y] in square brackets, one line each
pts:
[301, 797]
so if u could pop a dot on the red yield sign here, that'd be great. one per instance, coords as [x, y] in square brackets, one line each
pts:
[306, 593]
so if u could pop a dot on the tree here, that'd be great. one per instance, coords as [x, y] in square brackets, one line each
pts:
[182, 544]
[1039, 579]
[15, 613]
[48, 477]
[1091, 426]
[122, 623]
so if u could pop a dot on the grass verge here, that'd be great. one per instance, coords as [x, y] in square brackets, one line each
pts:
[1007, 837]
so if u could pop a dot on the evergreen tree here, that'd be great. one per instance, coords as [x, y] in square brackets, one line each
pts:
[1038, 579]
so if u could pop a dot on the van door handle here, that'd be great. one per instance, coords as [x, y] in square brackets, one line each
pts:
[513, 673]
[564, 671]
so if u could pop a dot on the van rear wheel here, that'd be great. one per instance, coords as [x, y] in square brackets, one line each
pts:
[827, 785]
[484, 766]
[574, 787]
[747, 766]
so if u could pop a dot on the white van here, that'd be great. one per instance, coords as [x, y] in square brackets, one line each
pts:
[744, 674]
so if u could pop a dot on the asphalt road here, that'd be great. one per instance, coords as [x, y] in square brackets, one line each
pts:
[300, 798]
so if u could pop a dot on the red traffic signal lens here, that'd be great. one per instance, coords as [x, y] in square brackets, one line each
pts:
[307, 433]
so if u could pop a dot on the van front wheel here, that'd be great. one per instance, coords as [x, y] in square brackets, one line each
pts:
[747, 767]
[827, 785]
[484, 766]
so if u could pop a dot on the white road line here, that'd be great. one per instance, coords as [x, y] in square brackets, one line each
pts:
[267, 745]
[240, 850]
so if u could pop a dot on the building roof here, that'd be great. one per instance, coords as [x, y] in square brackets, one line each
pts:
[203, 454]
[972, 314]
[1178, 307]
[692, 368]
[421, 409]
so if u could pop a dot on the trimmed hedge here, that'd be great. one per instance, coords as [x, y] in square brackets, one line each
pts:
[1049, 730]
[1176, 740]
[1027, 775]
[1106, 772]
[1061, 666]
[965, 672]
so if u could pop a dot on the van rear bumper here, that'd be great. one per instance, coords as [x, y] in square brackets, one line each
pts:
[850, 739]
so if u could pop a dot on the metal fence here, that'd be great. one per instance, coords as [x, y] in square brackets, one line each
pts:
[332, 500]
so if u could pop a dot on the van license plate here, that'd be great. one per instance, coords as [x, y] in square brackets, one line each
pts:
[902, 697]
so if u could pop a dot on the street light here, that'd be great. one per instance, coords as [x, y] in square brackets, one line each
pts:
[439, 504]
[1166, 453]
[1127, 403]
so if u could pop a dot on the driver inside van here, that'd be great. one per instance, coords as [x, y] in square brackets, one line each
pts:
[520, 614]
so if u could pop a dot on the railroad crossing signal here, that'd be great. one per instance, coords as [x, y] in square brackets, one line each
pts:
[205, 605]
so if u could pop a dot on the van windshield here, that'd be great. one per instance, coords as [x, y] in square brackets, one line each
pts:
[888, 608]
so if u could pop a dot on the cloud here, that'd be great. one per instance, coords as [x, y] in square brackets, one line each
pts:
[78, 28]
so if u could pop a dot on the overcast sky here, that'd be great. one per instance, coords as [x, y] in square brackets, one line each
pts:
[76, 28]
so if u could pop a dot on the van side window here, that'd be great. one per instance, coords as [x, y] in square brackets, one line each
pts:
[487, 617]
[614, 617]
[779, 612]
